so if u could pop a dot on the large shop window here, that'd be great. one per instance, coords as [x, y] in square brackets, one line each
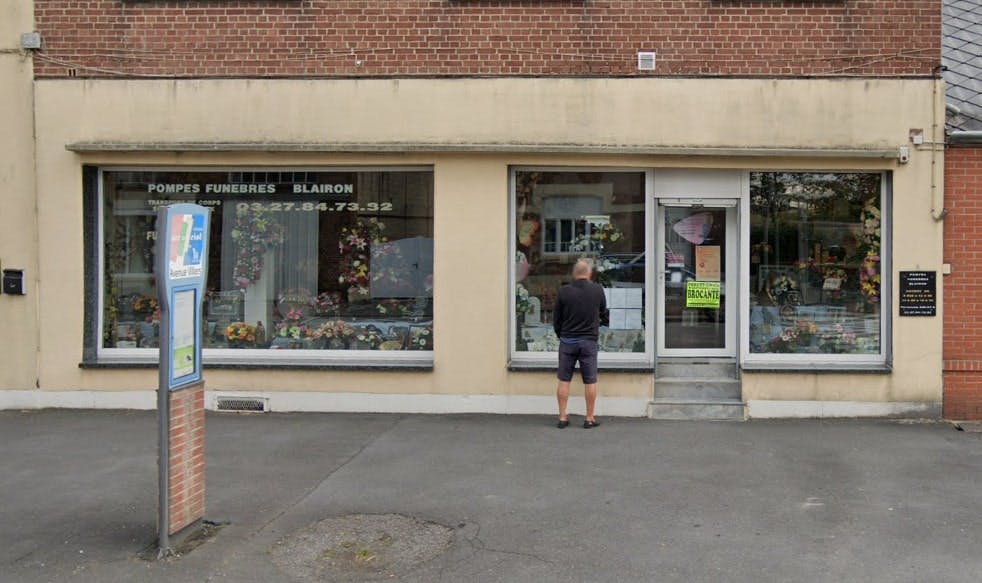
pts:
[324, 261]
[561, 216]
[816, 264]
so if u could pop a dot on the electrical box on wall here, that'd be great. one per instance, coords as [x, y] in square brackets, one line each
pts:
[13, 282]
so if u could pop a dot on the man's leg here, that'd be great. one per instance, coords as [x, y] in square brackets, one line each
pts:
[562, 396]
[567, 360]
[590, 394]
[588, 367]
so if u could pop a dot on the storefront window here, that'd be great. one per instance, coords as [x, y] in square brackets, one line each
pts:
[325, 260]
[815, 263]
[562, 216]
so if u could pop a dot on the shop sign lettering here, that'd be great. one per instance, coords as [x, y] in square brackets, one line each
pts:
[194, 188]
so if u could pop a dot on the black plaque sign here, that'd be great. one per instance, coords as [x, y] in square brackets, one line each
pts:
[918, 293]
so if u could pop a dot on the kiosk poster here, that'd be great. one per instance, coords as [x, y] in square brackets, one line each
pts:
[186, 238]
[184, 342]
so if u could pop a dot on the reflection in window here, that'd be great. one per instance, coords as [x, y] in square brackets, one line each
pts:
[815, 263]
[298, 260]
[562, 216]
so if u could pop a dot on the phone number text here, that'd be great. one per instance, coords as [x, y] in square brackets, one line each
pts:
[351, 207]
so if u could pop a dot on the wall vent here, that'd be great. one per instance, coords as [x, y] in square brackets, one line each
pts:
[646, 61]
[242, 404]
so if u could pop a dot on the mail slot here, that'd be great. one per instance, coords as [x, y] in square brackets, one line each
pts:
[13, 282]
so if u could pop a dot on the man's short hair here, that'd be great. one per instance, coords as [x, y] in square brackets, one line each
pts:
[583, 266]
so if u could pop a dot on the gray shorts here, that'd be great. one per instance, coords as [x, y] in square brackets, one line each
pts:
[584, 351]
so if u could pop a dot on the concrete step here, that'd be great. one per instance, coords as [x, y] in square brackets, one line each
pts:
[697, 389]
[696, 369]
[682, 409]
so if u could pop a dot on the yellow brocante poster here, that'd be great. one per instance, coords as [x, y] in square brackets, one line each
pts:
[702, 294]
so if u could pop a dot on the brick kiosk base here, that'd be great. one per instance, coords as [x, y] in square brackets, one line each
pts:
[186, 476]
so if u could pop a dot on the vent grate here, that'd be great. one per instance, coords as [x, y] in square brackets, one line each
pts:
[646, 61]
[243, 404]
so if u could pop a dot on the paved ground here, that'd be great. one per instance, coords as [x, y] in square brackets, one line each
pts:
[633, 500]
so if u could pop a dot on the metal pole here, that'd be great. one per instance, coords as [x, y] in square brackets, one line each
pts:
[163, 471]
[163, 393]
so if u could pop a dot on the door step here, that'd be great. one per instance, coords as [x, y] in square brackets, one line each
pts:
[697, 389]
[715, 410]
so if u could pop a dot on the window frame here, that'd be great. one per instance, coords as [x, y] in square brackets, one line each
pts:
[606, 360]
[95, 354]
[821, 362]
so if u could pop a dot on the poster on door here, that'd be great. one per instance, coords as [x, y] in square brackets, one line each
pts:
[708, 263]
[702, 294]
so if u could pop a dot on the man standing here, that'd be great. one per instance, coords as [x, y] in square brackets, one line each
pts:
[580, 308]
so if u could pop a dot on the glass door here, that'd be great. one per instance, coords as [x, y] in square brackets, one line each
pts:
[697, 277]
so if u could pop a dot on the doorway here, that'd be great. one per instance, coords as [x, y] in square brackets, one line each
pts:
[697, 277]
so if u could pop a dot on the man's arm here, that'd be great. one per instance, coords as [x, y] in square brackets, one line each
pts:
[557, 316]
[604, 312]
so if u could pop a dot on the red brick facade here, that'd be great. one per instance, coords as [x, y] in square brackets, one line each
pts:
[301, 38]
[186, 491]
[962, 308]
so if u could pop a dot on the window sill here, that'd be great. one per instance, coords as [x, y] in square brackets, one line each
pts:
[233, 363]
[795, 368]
[611, 367]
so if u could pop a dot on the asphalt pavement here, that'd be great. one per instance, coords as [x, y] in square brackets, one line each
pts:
[487, 498]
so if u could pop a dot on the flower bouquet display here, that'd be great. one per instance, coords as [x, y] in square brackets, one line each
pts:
[297, 300]
[599, 236]
[785, 342]
[869, 276]
[869, 269]
[144, 305]
[368, 338]
[293, 327]
[327, 303]
[392, 307]
[254, 234]
[603, 268]
[336, 334]
[522, 303]
[355, 246]
[608, 233]
[805, 330]
[527, 228]
[240, 335]
[390, 271]
[421, 338]
[838, 340]
[833, 280]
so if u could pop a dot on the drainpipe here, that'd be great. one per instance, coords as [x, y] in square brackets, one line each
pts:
[937, 182]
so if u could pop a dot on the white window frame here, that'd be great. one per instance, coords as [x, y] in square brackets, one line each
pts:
[836, 362]
[640, 360]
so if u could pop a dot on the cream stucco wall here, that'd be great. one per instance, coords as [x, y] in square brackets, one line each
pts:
[492, 124]
[792, 113]
[18, 222]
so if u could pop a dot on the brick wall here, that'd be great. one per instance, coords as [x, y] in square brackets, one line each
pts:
[963, 288]
[186, 488]
[298, 38]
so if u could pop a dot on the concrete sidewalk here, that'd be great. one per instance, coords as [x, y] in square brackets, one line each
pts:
[633, 500]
